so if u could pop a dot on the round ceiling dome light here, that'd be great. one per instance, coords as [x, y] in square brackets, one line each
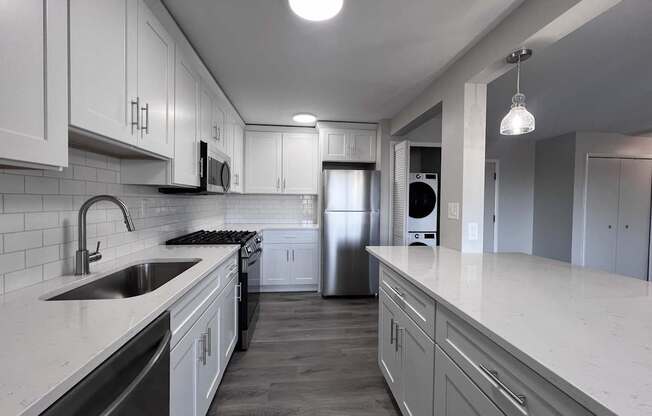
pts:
[316, 10]
[304, 118]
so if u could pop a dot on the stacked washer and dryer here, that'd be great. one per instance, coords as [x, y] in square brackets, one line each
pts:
[423, 209]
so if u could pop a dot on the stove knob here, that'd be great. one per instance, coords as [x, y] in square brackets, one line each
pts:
[259, 240]
[248, 250]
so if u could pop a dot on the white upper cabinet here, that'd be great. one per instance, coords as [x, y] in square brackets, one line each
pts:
[237, 159]
[218, 127]
[300, 163]
[281, 163]
[103, 90]
[211, 121]
[34, 83]
[263, 166]
[186, 124]
[347, 145]
[155, 83]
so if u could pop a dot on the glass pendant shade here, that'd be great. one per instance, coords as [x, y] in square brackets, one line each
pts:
[518, 120]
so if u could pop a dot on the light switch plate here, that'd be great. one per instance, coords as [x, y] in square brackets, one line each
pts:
[453, 210]
[473, 231]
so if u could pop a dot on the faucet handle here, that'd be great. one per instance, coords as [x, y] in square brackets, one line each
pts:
[93, 257]
[97, 249]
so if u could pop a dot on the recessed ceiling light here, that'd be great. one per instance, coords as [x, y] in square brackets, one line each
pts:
[304, 118]
[316, 10]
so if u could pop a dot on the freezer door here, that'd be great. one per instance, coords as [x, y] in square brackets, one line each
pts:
[351, 190]
[348, 270]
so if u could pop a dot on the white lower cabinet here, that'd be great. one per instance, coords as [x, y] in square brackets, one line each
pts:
[406, 358]
[199, 359]
[455, 394]
[290, 260]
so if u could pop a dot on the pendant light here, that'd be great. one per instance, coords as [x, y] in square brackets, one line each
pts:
[518, 121]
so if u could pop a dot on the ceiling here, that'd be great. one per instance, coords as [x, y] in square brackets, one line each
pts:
[599, 78]
[364, 65]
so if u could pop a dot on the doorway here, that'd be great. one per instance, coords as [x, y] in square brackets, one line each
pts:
[490, 232]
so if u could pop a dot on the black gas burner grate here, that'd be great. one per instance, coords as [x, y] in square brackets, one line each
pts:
[213, 237]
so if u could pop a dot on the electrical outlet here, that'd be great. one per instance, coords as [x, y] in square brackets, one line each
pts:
[453, 210]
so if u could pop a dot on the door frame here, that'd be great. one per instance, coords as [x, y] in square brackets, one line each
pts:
[496, 162]
[585, 194]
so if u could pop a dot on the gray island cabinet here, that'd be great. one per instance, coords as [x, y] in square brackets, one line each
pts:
[437, 360]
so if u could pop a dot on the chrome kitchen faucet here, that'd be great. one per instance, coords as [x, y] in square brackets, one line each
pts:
[83, 258]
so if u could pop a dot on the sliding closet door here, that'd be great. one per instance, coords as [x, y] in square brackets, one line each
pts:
[632, 251]
[602, 201]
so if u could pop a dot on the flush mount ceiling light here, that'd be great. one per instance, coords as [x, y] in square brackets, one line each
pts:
[316, 10]
[304, 118]
[518, 120]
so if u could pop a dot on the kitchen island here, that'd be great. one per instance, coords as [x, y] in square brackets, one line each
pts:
[581, 338]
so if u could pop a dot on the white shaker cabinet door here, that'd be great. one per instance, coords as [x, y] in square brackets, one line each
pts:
[186, 148]
[263, 162]
[634, 218]
[276, 264]
[218, 128]
[206, 132]
[602, 201]
[362, 146]
[103, 68]
[155, 83]
[304, 258]
[34, 82]
[300, 163]
[456, 394]
[228, 322]
[389, 358]
[334, 146]
[417, 369]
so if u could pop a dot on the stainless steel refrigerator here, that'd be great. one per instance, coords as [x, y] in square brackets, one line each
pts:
[351, 221]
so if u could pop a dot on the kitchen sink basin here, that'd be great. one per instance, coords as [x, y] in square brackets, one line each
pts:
[131, 281]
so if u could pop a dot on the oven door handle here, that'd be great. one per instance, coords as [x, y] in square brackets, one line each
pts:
[253, 259]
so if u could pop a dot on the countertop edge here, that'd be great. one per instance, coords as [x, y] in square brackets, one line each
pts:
[51, 396]
[569, 389]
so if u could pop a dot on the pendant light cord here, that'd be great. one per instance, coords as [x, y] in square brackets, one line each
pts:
[518, 76]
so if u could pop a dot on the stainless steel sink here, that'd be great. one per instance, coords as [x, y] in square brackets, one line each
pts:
[132, 281]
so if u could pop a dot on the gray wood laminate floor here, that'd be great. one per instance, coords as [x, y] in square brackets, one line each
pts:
[309, 356]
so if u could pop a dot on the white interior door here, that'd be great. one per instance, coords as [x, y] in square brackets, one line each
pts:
[300, 166]
[602, 200]
[634, 218]
[490, 207]
[155, 83]
[263, 162]
[400, 193]
[103, 88]
[34, 81]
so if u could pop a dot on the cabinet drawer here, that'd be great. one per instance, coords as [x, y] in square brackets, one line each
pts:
[515, 388]
[416, 304]
[290, 236]
[187, 310]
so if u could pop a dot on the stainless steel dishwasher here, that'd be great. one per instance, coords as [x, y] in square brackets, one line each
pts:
[133, 381]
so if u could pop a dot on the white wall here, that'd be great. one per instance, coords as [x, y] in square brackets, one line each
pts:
[428, 132]
[38, 217]
[591, 143]
[515, 193]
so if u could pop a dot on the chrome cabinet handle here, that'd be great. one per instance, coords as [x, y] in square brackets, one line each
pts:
[391, 332]
[209, 347]
[287, 255]
[202, 355]
[145, 127]
[219, 133]
[278, 183]
[135, 123]
[239, 291]
[520, 399]
[292, 254]
[398, 291]
[397, 330]
[284, 182]
[215, 130]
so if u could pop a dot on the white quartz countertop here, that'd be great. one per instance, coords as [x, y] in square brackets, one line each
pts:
[263, 227]
[588, 332]
[47, 347]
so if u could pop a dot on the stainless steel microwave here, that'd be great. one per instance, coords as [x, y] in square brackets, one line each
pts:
[214, 174]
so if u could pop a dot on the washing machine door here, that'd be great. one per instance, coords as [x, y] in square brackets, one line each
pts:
[418, 244]
[423, 200]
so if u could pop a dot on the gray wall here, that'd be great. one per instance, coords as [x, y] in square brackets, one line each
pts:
[515, 192]
[554, 176]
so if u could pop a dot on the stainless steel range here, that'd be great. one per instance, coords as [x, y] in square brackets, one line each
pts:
[249, 278]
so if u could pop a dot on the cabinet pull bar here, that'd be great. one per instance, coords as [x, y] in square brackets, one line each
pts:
[391, 332]
[209, 347]
[135, 123]
[239, 293]
[202, 354]
[292, 254]
[499, 385]
[287, 255]
[145, 128]
[396, 341]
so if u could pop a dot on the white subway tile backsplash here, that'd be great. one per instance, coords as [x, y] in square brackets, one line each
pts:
[12, 223]
[41, 185]
[12, 261]
[22, 241]
[23, 203]
[271, 209]
[22, 278]
[95, 188]
[57, 203]
[42, 255]
[108, 176]
[41, 220]
[84, 173]
[12, 184]
[72, 187]
[59, 235]
[95, 160]
[58, 268]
